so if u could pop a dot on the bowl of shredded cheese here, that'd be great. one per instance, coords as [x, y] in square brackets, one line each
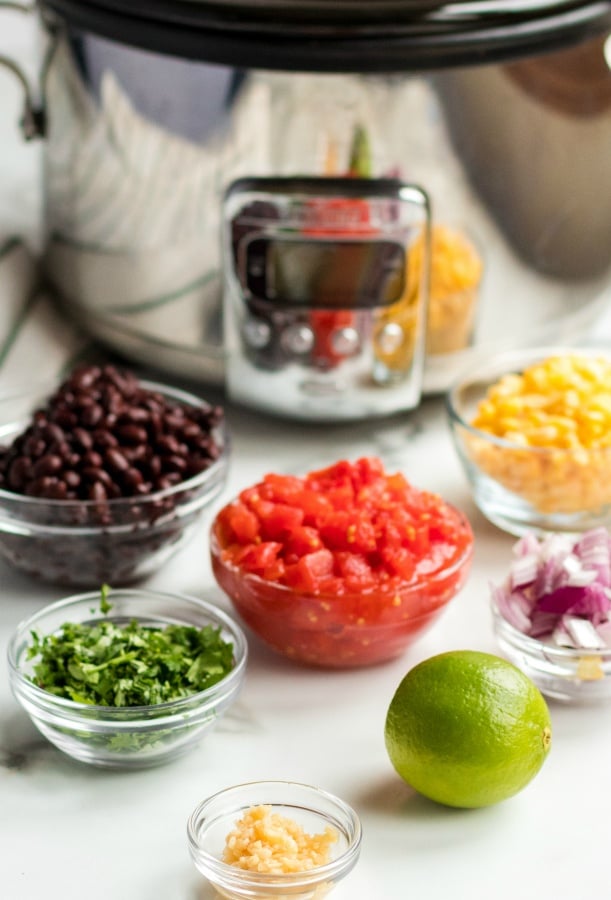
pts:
[274, 839]
[533, 431]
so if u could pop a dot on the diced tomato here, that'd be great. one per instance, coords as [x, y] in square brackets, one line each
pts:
[275, 571]
[256, 557]
[314, 505]
[308, 572]
[354, 568]
[400, 562]
[349, 531]
[241, 524]
[281, 488]
[302, 540]
[278, 520]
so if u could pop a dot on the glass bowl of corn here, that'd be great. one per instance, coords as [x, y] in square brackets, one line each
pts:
[532, 429]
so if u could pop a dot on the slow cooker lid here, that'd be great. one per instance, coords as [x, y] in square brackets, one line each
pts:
[341, 35]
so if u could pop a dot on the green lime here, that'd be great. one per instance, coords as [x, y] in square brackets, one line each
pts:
[467, 729]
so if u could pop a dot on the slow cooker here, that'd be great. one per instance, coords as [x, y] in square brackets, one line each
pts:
[325, 206]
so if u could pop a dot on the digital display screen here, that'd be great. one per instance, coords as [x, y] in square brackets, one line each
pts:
[326, 274]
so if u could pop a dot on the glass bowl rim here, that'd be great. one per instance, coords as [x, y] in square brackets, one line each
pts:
[285, 590]
[128, 713]
[259, 879]
[534, 647]
[525, 355]
[24, 390]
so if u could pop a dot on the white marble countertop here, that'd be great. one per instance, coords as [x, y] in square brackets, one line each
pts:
[68, 831]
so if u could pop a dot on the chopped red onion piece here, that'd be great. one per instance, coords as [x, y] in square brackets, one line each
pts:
[559, 589]
[528, 545]
[583, 633]
[524, 570]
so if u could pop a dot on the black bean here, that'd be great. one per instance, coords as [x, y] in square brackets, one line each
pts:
[153, 467]
[90, 473]
[132, 434]
[34, 446]
[53, 433]
[84, 377]
[92, 460]
[56, 489]
[49, 464]
[103, 438]
[167, 444]
[92, 415]
[97, 491]
[132, 479]
[137, 454]
[66, 418]
[82, 438]
[19, 473]
[176, 463]
[116, 460]
[38, 487]
[136, 415]
[61, 449]
[169, 480]
[189, 432]
[72, 478]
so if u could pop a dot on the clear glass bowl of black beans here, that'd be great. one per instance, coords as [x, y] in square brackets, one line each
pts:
[105, 477]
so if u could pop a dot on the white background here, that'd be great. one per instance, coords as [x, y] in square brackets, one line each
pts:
[69, 832]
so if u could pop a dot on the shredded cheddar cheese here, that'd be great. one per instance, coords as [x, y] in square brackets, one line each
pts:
[456, 272]
[455, 275]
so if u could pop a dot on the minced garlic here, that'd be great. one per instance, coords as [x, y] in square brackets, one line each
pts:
[264, 841]
[557, 415]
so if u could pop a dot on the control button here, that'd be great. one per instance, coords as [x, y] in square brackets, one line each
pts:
[256, 267]
[256, 333]
[390, 338]
[297, 339]
[321, 388]
[345, 341]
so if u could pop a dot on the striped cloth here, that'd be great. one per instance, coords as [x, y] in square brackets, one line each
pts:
[36, 342]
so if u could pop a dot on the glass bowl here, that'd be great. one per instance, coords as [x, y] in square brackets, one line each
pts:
[85, 543]
[125, 737]
[522, 488]
[573, 675]
[338, 631]
[310, 807]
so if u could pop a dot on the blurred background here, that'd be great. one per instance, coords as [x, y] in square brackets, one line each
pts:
[20, 175]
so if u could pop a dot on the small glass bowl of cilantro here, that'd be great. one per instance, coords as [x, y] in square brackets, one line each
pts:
[127, 678]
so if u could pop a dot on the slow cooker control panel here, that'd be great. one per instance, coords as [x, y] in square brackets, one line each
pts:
[320, 299]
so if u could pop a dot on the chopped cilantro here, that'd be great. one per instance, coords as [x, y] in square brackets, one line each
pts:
[109, 663]
[105, 604]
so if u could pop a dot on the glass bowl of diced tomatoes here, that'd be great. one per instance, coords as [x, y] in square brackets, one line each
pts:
[345, 566]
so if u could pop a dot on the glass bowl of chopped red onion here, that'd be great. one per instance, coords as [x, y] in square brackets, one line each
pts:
[552, 614]
[104, 477]
[127, 679]
[274, 839]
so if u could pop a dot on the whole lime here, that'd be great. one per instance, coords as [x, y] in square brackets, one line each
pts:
[467, 729]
